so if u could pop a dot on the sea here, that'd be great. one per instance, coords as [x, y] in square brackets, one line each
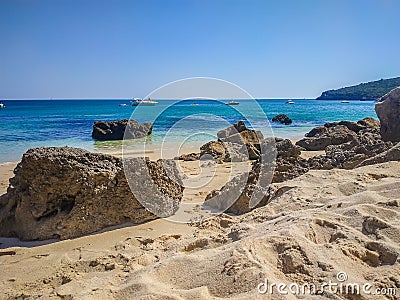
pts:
[26, 124]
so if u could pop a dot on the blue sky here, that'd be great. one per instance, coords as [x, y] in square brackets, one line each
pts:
[127, 48]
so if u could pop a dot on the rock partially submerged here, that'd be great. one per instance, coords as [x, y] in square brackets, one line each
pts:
[388, 111]
[68, 192]
[118, 130]
[283, 119]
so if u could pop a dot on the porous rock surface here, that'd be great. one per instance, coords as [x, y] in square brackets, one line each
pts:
[68, 192]
[118, 130]
[388, 111]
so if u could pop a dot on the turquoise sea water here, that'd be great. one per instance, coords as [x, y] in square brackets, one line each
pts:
[26, 124]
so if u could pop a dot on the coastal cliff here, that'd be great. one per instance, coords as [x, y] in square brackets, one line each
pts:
[363, 91]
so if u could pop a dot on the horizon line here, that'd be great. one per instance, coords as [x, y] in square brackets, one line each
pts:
[130, 99]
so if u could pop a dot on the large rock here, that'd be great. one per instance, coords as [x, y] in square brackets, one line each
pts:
[248, 190]
[235, 128]
[366, 123]
[369, 123]
[283, 119]
[388, 111]
[227, 152]
[118, 130]
[367, 143]
[68, 192]
[281, 161]
[235, 143]
[235, 197]
[215, 150]
[321, 137]
[336, 133]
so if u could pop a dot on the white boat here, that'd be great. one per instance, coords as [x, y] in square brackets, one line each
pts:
[345, 101]
[289, 102]
[2, 105]
[123, 104]
[145, 102]
[232, 103]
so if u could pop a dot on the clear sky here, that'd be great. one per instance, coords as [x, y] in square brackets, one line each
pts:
[127, 48]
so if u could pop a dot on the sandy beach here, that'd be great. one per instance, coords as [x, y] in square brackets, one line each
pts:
[323, 223]
[327, 222]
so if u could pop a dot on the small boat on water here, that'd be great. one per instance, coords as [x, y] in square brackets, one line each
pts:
[123, 104]
[232, 103]
[345, 101]
[194, 104]
[2, 105]
[145, 102]
[289, 102]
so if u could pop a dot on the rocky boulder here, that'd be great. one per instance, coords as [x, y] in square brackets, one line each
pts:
[215, 150]
[283, 119]
[281, 161]
[369, 123]
[388, 111]
[235, 143]
[118, 130]
[321, 137]
[248, 190]
[366, 123]
[231, 130]
[69, 192]
[367, 143]
[235, 197]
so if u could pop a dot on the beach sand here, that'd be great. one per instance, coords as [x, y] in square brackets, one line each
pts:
[6, 172]
[325, 223]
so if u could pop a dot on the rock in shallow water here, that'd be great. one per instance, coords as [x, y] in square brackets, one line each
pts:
[283, 119]
[68, 192]
[118, 130]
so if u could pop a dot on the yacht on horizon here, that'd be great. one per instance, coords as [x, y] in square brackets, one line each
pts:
[141, 102]
[232, 103]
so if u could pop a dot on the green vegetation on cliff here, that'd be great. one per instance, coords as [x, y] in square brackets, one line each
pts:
[364, 91]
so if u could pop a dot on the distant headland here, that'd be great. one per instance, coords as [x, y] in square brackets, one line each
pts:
[364, 91]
